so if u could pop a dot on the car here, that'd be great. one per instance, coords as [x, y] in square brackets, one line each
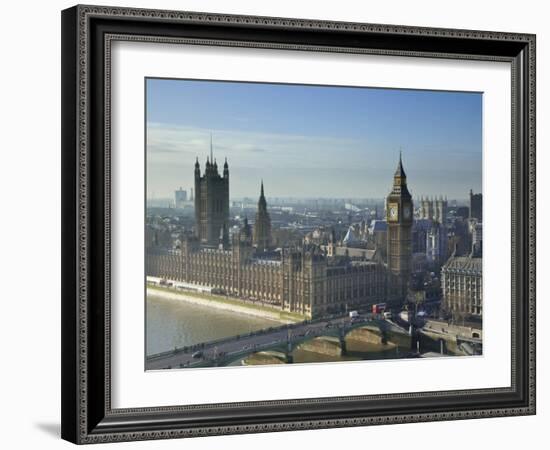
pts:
[197, 354]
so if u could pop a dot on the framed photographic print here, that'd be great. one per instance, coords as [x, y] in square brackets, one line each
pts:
[281, 224]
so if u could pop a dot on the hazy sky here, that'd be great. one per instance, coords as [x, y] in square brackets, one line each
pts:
[313, 141]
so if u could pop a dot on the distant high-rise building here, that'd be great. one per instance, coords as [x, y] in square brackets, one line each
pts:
[191, 195]
[180, 198]
[262, 225]
[399, 214]
[476, 206]
[211, 201]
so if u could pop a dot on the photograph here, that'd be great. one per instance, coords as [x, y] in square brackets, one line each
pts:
[274, 222]
[296, 223]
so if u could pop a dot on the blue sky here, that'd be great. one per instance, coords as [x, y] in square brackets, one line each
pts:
[313, 141]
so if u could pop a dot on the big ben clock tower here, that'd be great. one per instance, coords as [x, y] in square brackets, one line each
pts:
[399, 215]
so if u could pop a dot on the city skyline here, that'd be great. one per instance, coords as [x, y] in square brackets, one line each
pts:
[290, 137]
[346, 288]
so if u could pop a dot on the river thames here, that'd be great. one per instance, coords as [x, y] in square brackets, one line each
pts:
[175, 323]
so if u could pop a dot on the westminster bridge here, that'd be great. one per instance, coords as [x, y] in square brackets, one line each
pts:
[282, 339]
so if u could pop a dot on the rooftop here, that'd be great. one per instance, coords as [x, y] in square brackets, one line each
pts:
[464, 263]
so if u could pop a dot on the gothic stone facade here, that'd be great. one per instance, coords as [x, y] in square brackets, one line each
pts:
[399, 214]
[302, 280]
[262, 224]
[433, 209]
[211, 202]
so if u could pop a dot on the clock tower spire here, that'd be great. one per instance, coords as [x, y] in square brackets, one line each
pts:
[399, 215]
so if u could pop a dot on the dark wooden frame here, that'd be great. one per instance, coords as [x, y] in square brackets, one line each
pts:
[87, 31]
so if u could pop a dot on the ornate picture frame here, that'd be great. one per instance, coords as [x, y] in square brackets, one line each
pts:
[87, 35]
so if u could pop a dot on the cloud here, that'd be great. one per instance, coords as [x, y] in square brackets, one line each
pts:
[304, 165]
[249, 149]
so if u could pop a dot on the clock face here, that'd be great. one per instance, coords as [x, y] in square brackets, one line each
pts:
[393, 212]
[407, 212]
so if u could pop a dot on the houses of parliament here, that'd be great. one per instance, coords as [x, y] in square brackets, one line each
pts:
[308, 280]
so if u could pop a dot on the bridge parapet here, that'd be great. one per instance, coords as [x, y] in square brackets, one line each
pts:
[285, 339]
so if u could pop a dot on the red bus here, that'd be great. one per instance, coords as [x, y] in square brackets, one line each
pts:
[379, 308]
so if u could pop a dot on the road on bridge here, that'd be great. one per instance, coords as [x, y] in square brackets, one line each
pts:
[211, 352]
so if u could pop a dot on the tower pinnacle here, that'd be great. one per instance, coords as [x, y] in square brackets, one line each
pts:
[262, 225]
[211, 150]
[197, 167]
[400, 172]
[226, 170]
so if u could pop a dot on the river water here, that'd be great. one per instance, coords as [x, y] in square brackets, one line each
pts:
[175, 323]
